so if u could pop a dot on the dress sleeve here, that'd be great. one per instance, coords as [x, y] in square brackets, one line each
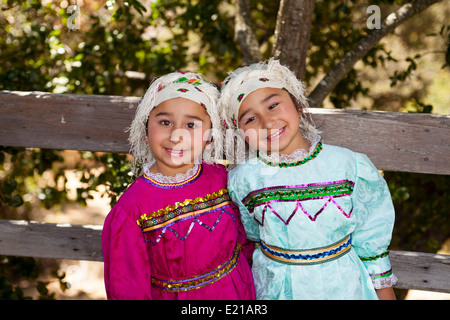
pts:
[126, 265]
[247, 246]
[251, 226]
[374, 213]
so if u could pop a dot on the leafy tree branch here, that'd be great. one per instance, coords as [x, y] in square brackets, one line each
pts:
[345, 65]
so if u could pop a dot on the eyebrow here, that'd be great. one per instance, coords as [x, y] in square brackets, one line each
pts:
[269, 97]
[195, 118]
[242, 115]
[262, 101]
[163, 114]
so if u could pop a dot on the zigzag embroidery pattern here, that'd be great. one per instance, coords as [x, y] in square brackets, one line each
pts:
[298, 193]
[194, 221]
[312, 218]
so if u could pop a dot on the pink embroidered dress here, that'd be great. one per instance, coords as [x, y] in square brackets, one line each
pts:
[180, 240]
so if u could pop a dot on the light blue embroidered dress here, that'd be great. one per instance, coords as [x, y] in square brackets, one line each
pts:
[323, 225]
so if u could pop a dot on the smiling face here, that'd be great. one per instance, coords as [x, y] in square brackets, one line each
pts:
[177, 135]
[270, 122]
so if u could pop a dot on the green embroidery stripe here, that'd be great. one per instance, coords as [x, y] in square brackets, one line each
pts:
[289, 193]
[373, 258]
[381, 275]
[293, 164]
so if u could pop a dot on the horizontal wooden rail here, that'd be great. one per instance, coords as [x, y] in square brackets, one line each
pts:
[415, 270]
[393, 141]
[47, 240]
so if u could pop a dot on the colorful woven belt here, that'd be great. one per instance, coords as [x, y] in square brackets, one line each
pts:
[195, 282]
[312, 256]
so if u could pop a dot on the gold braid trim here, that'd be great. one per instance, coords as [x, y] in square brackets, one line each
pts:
[187, 202]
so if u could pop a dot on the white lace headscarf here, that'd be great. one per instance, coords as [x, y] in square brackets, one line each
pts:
[187, 85]
[244, 80]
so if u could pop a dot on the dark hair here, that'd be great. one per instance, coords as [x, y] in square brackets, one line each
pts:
[298, 105]
[146, 127]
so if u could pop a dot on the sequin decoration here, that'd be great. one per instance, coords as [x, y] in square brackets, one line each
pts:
[299, 193]
[309, 256]
[196, 282]
[193, 223]
[293, 164]
[164, 218]
[174, 185]
[381, 275]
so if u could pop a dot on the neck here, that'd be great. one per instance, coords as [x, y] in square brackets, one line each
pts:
[170, 171]
[298, 143]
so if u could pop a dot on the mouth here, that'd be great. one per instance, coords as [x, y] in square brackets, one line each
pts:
[174, 153]
[277, 135]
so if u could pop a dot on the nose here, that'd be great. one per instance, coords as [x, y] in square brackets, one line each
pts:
[268, 122]
[178, 135]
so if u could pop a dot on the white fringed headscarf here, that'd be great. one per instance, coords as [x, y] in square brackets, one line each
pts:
[244, 80]
[187, 85]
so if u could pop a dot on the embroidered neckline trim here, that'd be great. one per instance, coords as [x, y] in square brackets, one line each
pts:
[178, 181]
[313, 155]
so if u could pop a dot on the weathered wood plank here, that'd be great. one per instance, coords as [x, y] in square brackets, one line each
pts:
[393, 141]
[421, 271]
[415, 270]
[46, 240]
[65, 121]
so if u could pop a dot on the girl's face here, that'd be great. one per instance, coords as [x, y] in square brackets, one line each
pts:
[177, 135]
[270, 122]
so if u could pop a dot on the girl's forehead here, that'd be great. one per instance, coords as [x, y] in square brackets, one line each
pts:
[180, 107]
[260, 97]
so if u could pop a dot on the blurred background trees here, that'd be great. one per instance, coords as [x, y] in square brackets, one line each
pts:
[118, 47]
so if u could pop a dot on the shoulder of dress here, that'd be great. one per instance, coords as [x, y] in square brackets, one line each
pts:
[337, 151]
[214, 170]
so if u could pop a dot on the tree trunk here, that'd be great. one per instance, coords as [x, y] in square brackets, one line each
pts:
[345, 65]
[245, 34]
[292, 34]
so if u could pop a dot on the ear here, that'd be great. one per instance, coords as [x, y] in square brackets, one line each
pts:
[208, 144]
[146, 139]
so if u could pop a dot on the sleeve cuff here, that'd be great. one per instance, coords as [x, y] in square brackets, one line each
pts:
[380, 270]
[384, 280]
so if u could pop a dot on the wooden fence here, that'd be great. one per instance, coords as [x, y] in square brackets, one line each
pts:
[393, 141]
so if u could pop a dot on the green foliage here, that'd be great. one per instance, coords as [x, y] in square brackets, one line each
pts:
[421, 204]
[116, 176]
[444, 34]
[18, 269]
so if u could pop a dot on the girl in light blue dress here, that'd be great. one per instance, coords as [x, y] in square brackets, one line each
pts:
[321, 215]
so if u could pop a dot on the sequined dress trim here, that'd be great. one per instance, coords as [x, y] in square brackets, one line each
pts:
[198, 281]
[183, 210]
[292, 164]
[162, 182]
[298, 193]
[190, 209]
[310, 256]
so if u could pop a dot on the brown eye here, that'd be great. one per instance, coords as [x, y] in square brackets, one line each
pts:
[272, 106]
[249, 120]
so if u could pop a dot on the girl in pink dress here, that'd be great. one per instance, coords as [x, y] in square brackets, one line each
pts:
[175, 233]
